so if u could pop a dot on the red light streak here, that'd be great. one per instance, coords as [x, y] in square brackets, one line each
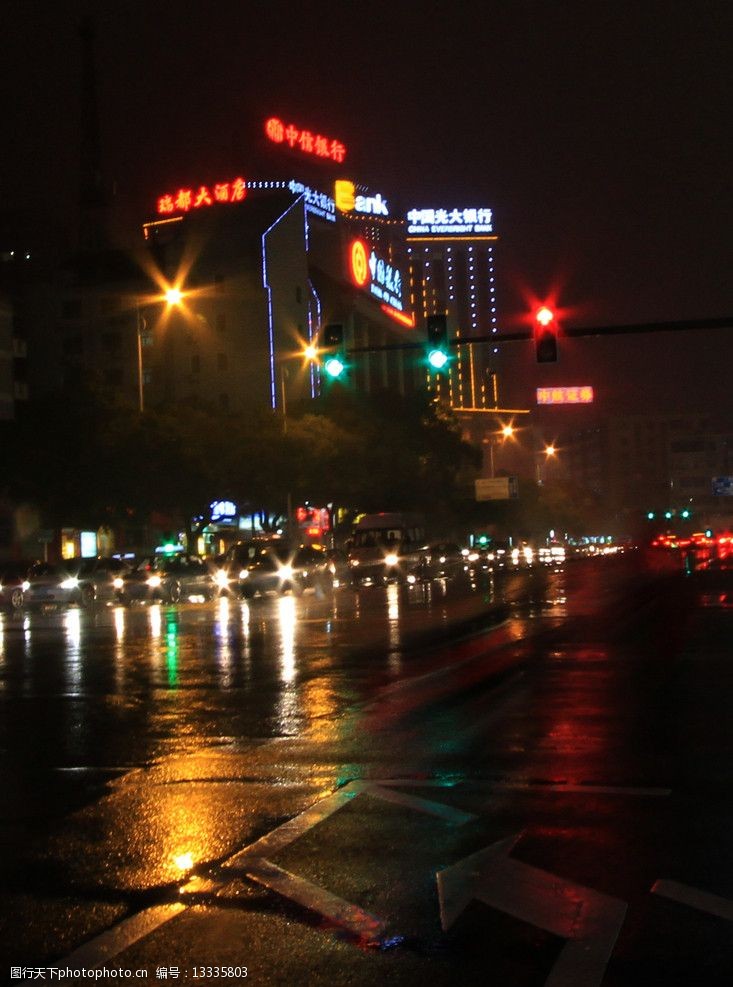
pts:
[403, 317]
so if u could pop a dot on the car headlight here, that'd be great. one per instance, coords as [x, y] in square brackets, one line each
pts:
[391, 559]
[221, 579]
[244, 574]
[71, 583]
[154, 581]
[286, 572]
[118, 582]
[25, 585]
[354, 562]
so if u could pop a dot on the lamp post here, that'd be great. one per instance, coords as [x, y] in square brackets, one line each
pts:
[549, 452]
[506, 432]
[173, 296]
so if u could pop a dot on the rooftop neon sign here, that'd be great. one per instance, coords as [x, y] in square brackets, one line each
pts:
[186, 199]
[450, 222]
[304, 140]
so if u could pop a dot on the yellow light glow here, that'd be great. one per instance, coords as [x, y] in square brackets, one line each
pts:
[174, 296]
[310, 352]
[507, 431]
[183, 861]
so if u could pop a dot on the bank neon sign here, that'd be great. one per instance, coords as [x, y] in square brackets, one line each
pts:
[348, 201]
[450, 222]
[299, 139]
[565, 395]
[379, 278]
[186, 199]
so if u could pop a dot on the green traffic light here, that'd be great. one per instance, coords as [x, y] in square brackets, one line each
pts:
[685, 513]
[437, 359]
[334, 367]
[650, 515]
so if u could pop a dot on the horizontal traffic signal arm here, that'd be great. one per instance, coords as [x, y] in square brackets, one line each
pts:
[613, 330]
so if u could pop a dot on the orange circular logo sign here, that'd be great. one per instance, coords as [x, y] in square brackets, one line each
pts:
[359, 263]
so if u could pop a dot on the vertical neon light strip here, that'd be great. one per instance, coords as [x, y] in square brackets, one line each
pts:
[268, 289]
[315, 368]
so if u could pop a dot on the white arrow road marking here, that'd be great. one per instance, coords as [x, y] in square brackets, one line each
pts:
[589, 920]
[702, 900]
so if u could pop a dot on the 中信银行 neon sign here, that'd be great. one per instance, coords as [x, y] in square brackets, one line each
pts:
[298, 139]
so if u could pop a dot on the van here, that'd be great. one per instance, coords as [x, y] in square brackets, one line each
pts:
[386, 547]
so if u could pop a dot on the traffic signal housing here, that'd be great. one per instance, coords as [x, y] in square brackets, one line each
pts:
[437, 337]
[545, 336]
[333, 341]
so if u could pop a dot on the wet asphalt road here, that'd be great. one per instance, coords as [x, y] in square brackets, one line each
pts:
[581, 713]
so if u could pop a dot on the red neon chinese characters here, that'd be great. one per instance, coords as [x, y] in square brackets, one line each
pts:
[565, 395]
[186, 199]
[304, 140]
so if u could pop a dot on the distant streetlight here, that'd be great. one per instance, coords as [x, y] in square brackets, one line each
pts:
[173, 296]
[506, 432]
[549, 452]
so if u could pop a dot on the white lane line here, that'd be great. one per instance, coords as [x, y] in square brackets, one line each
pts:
[445, 812]
[294, 828]
[316, 899]
[695, 898]
[109, 944]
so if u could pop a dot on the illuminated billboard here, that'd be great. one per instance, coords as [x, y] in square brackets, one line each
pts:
[450, 222]
[565, 395]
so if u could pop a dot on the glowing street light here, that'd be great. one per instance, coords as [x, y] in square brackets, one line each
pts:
[173, 296]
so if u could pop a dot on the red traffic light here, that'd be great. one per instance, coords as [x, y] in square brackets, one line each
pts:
[545, 336]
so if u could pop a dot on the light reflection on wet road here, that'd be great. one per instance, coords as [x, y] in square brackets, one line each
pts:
[122, 686]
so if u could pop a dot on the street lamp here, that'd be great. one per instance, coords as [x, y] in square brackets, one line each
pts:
[549, 452]
[173, 297]
[506, 432]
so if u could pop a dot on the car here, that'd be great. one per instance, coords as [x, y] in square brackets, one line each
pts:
[167, 578]
[253, 567]
[51, 584]
[13, 584]
[99, 579]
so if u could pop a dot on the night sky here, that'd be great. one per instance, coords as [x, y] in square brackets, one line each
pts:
[599, 133]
